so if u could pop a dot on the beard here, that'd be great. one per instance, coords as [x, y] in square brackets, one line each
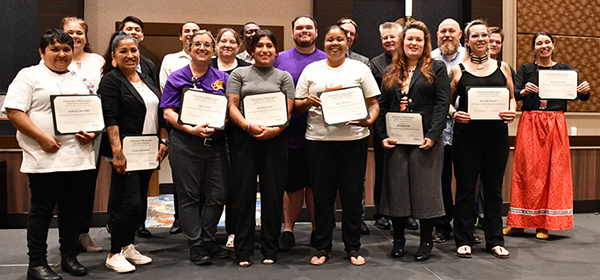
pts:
[448, 48]
[305, 44]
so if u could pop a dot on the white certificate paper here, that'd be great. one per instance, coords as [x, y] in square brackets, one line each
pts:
[140, 152]
[72, 113]
[198, 107]
[558, 84]
[343, 105]
[405, 128]
[485, 103]
[267, 109]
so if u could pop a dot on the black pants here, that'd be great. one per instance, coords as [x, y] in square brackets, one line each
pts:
[443, 224]
[88, 195]
[479, 148]
[268, 159]
[128, 196]
[337, 166]
[201, 174]
[48, 189]
[379, 158]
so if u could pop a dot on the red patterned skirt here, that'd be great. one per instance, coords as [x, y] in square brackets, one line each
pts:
[541, 193]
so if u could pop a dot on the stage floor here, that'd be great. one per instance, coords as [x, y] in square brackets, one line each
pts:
[569, 254]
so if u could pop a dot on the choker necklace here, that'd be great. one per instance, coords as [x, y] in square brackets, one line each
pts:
[479, 59]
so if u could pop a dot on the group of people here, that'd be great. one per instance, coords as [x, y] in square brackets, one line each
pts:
[306, 161]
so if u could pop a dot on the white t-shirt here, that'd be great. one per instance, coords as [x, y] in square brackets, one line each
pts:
[317, 77]
[151, 101]
[30, 92]
[171, 63]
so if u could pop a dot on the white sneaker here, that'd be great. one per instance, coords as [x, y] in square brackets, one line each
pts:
[119, 264]
[132, 255]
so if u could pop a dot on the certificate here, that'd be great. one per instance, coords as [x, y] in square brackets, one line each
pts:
[72, 113]
[558, 84]
[268, 109]
[485, 103]
[198, 107]
[405, 128]
[343, 105]
[140, 152]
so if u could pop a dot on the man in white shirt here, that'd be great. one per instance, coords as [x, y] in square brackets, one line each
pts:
[247, 33]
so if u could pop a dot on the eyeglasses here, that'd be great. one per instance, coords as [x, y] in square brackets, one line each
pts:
[477, 36]
[207, 45]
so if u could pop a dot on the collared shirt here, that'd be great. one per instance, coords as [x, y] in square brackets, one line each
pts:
[171, 63]
[458, 57]
[212, 81]
[246, 57]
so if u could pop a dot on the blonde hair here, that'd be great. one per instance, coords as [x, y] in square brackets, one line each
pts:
[66, 20]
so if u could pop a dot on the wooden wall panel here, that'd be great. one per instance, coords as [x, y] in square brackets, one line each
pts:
[564, 17]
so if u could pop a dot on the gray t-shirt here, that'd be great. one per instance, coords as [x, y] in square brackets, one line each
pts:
[253, 80]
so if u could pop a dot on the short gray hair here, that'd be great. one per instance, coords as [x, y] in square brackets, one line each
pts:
[390, 25]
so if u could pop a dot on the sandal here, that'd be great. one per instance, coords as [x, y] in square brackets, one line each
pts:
[230, 239]
[316, 259]
[354, 254]
[245, 262]
[499, 252]
[464, 251]
[268, 261]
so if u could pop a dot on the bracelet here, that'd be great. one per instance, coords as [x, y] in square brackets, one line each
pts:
[249, 128]
[452, 114]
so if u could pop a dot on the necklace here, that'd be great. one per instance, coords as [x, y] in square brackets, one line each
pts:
[479, 59]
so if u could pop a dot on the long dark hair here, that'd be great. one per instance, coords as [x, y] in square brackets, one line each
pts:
[398, 70]
[114, 41]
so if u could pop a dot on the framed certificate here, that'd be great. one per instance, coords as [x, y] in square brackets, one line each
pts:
[268, 109]
[558, 84]
[406, 127]
[198, 107]
[73, 113]
[485, 103]
[343, 105]
[140, 152]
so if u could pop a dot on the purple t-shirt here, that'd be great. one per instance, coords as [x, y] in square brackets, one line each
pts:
[213, 81]
[294, 62]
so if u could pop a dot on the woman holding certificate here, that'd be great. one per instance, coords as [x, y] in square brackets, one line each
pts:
[261, 99]
[414, 83]
[480, 139]
[130, 106]
[55, 164]
[87, 65]
[541, 195]
[337, 151]
[199, 151]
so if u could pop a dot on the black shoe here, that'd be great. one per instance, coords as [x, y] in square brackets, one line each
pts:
[199, 256]
[42, 272]
[398, 250]
[107, 228]
[411, 224]
[216, 251]
[364, 229]
[439, 237]
[382, 223]
[176, 227]
[476, 238]
[287, 241]
[141, 231]
[313, 239]
[424, 251]
[72, 266]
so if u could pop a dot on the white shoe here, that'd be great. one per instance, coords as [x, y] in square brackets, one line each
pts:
[133, 256]
[119, 264]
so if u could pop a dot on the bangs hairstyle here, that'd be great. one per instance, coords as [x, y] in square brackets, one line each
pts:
[66, 20]
[227, 29]
[398, 69]
[54, 36]
[202, 32]
[112, 45]
[496, 30]
[478, 21]
[263, 33]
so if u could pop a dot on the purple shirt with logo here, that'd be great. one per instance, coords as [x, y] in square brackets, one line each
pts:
[294, 62]
[213, 81]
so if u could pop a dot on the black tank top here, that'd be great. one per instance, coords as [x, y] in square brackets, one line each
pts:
[496, 79]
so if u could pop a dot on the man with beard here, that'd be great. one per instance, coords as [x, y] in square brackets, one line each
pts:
[451, 53]
[304, 32]
[172, 62]
[247, 33]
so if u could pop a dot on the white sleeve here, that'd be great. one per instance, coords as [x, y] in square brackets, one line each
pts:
[20, 91]
[302, 86]
[163, 75]
[369, 85]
